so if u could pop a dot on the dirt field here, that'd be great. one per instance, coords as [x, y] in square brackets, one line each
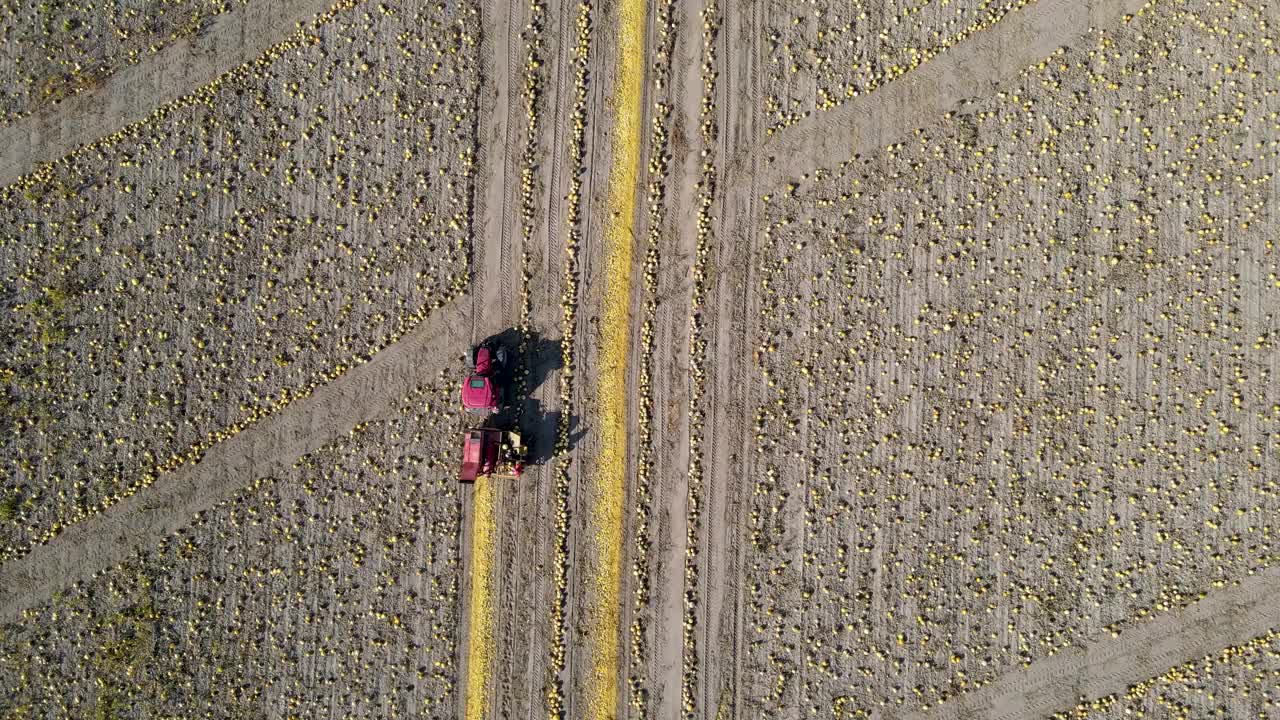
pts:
[331, 589]
[877, 360]
[204, 270]
[55, 50]
[1035, 404]
[818, 56]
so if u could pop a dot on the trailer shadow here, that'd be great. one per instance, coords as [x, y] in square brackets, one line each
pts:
[540, 428]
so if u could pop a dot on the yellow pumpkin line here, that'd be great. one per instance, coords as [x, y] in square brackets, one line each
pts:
[610, 471]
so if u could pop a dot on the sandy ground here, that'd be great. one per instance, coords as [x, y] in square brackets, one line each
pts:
[951, 382]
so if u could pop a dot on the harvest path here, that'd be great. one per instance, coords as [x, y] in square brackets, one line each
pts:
[132, 94]
[609, 488]
[365, 393]
[480, 618]
[1228, 616]
[921, 96]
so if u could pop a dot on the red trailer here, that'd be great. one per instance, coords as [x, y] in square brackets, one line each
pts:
[486, 451]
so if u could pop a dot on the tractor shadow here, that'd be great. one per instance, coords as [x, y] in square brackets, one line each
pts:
[523, 411]
[542, 358]
[539, 359]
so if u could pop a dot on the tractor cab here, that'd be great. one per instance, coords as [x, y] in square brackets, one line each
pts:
[479, 395]
[487, 451]
[481, 392]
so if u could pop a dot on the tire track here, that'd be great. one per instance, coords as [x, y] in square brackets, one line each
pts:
[545, 290]
[706, 194]
[237, 41]
[478, 545]
[579, 670]
[1225, 617]
[570, 294]
[490, 312]
[491, 252]
[664, 639]
[519, 599]
[501, 311]
[671, 416]
[735, 300]
[546, 284]
[504, 97]
[270, 446]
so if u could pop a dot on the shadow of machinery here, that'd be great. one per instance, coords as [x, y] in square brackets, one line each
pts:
[521, 411]
[538, 357]
[539, 429]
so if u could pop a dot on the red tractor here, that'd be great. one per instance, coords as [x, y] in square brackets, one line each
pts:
[482, 392]
[486, 451]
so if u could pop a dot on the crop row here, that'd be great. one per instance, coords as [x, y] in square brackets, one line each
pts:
[656, 211]
[531, 94]
[568, 327]
[706, 196]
